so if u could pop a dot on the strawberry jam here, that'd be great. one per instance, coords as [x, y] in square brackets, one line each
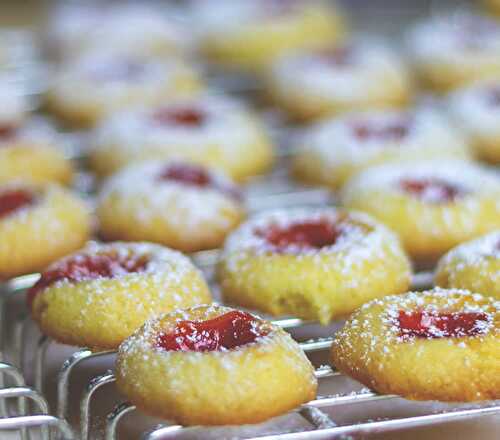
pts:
[187, 173]
[338, 57]
[7, 132]
[278, 8]
[196, 176]
[13, 200]
[432, 325]
[228, 331]
[313, 234]
[186, 117]
[432, 190]
[396, 130]
[88, 267]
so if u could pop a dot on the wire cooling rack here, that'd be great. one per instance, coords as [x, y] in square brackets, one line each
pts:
[318, 418]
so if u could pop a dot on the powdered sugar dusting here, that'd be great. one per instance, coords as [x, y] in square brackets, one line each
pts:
[336, 143]
[440, 300]
[143, 341]
[189, 206]
[479, 255]
[460, 37]
[220, 19]
[131, 28]
[135, 134]
[92, 77]
[313, 73]
[362, 237]
[475, 251]
[161, 262]
[476, 180]
[375, 326]
[474, 110]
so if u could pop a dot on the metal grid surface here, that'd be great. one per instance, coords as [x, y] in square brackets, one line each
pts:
[316, 415]
[24, 379]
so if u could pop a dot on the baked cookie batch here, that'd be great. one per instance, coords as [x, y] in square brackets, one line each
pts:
[172, 157]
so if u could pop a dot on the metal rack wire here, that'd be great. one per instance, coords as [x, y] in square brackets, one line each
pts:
[320, 423]
[31, 409]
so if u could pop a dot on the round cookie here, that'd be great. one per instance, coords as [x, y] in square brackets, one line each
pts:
[316, 264]
[474, 266]
[32, 151]
[431, 206]
[477, 111]
[215, 131]
[38, 225]
[358, 76]
[250, 34]
[212, 365]
[451, 51]
[133, 28]
[435, 345]
[86, 90]
[332, 151]
[100, 295]
[184, 206]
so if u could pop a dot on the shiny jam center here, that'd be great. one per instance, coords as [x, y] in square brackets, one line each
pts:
[11, 201]
[89, 267]
[305, 235]
[338, 57]
[186, 117]
[394, 131]
[7, 132]
[278, 8]
[228, 331]
[188, 174]
[196, 176]
[432, 190]
[432, 325]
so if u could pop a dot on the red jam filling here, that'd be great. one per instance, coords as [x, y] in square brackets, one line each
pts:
[88, 267]
[432, 325]
[432, 190]
[197, 176]
[118, 70]
[278, 8]
[186, 117]
[338, 57]
[188, 174]
[313, 234]
[396, 130]
[228, 331]
[7, 132]
[11, 201]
